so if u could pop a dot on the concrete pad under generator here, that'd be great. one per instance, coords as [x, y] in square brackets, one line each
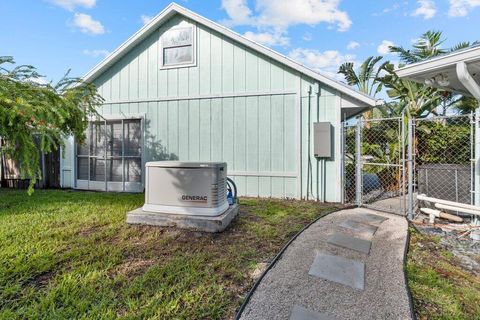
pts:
[337, 269]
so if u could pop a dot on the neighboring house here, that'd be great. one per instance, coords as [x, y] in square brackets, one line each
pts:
[186, 88]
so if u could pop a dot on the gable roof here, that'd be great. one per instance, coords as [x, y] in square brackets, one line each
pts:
[174, 8]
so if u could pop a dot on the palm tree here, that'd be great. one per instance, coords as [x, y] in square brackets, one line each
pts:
[366, 80]
[427, 46]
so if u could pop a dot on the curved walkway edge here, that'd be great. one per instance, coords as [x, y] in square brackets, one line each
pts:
[346, 265]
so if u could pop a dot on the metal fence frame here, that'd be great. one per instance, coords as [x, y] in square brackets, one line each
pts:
[452, 165]
[407, 165]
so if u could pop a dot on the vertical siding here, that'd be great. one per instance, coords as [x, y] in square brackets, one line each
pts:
[324, 175]
[256, 135]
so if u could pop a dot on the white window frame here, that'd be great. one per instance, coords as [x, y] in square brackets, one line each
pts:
[193, 63]
[124, 186]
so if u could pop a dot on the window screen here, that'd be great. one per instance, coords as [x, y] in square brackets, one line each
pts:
[112, 152]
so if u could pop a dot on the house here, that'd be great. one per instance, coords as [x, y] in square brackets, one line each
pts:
[184, 87]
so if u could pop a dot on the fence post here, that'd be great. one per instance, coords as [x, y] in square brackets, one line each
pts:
[476, 187]
[342, 165]
[358, 158]
[410, 168]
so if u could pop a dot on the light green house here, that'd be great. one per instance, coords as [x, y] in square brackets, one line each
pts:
[186, 88]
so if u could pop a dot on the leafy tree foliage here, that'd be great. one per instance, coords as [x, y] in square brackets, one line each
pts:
[36, 117]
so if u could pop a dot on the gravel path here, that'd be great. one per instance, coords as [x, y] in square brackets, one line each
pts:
[288, 284]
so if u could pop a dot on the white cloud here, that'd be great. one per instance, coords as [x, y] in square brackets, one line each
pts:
[384, 47]
[461, 8]
[282, 14]
[72, 4]
[353, 45]
[145, 19]
[238, 11]
[87, 24]
[326, 62]
[267, 39]
[96, 53]
[394, 7]
[426, 9]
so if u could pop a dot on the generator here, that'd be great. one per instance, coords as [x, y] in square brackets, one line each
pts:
[186, 188]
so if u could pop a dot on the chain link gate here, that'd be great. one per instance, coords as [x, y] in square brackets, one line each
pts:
[374, 164]
[442, 159]
[388, 162]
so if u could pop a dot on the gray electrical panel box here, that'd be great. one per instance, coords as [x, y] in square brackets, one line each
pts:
[322, 139]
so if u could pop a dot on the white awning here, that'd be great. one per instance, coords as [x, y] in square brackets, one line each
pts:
[458, 71]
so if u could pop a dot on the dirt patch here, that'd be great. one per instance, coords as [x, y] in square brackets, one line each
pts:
[89, 230]
[461, 247]
[134, 267]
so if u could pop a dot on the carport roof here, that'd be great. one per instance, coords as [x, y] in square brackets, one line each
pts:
[445, 66]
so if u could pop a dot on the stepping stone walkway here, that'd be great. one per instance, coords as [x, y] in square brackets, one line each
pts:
[347, 265]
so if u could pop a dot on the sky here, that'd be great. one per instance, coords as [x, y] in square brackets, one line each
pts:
[60, 35]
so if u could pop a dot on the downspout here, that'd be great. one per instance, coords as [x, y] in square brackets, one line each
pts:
[467, 80]
[472, 86]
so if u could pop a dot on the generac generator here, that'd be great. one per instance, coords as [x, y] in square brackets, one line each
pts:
[188, 188]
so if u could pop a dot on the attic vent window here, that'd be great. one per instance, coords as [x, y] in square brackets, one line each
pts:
[177, 46]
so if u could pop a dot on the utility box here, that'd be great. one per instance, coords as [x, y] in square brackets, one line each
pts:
[322, 139]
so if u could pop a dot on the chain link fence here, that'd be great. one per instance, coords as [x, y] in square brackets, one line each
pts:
[349, 164]
[382, 164]
[374, 150]
[377, 164]
[443, 159]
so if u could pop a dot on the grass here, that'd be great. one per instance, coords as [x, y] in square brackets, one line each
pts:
[71, 255]
[440, 287]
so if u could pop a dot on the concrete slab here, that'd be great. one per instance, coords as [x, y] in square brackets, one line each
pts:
[199, 223]
[302, 313]
[337, 269]
[360, 227]
[349, 242]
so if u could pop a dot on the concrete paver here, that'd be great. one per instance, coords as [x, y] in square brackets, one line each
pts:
[349, 242]
[337, 269]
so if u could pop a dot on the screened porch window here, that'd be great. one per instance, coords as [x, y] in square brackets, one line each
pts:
[178, 47]
[111, 159]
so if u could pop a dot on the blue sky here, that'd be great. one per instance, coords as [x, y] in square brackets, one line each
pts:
[57, 35]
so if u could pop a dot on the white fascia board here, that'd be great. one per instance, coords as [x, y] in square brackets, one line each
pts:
[439, 63]
[174, 8]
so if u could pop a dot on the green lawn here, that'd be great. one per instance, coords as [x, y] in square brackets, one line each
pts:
[71, 255]
[440, 286]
